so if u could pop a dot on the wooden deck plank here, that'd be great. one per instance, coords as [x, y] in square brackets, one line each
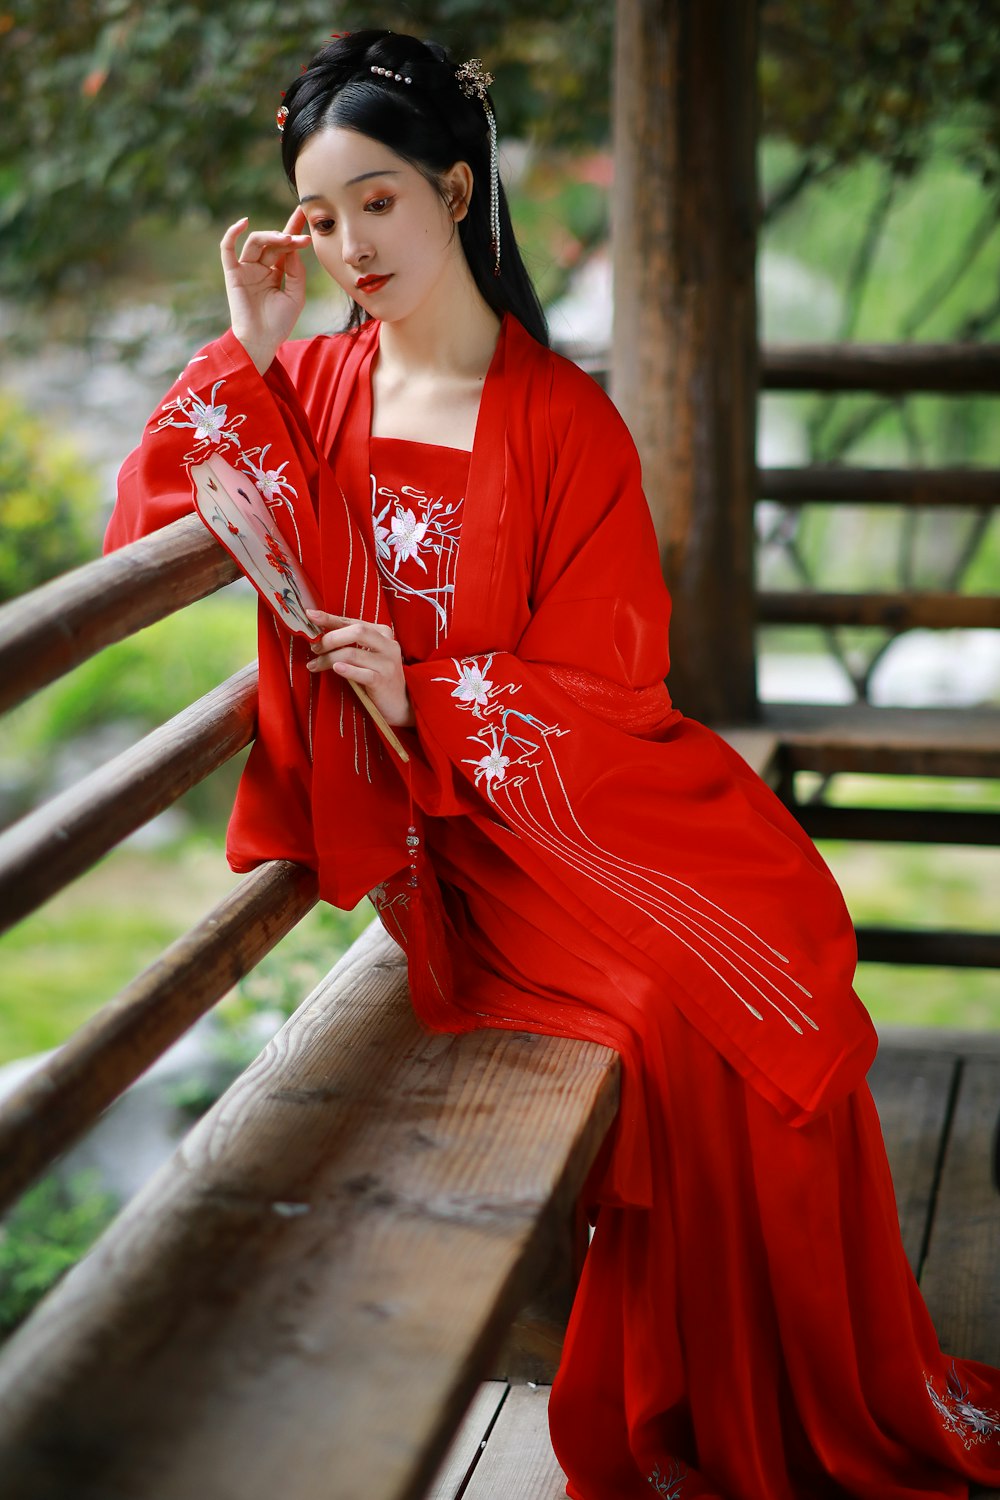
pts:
[912, 1090]
[960, 1279]
[758, 747]
[469, 1441]
[315, 1284]
[911, 1081]
[518, 1462]
[895, 741]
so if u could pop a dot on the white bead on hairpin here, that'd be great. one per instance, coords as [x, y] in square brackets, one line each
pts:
[388, 73]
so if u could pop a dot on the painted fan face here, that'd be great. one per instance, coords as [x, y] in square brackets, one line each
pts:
[236, 513]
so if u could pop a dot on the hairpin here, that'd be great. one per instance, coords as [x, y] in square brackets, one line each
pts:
[281, 117]
[474, 80]
[388, 73]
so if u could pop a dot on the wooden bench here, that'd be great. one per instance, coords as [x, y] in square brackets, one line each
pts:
[306, 1298]
[935, 1091]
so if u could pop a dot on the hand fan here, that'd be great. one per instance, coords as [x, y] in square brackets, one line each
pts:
[236, 514]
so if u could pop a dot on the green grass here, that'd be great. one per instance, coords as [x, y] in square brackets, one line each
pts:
[922, 886]
[64, 961]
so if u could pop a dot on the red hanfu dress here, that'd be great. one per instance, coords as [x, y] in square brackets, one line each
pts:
[594, 864]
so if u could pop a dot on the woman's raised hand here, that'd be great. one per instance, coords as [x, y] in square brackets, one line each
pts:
[367, 654]
[265, 284]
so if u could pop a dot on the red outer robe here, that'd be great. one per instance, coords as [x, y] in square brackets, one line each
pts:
[553, 776]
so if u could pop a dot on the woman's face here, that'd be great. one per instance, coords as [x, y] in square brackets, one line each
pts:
[378, 227]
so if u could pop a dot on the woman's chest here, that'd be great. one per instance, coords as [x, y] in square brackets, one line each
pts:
[418, 511]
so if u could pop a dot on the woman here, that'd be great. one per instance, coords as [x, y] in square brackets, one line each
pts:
[563, 850]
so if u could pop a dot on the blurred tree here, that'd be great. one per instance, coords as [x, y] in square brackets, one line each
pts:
[848, 79]
[116, 109]
[48, 502]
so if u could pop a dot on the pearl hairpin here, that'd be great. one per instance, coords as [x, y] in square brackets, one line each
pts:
[388, 73]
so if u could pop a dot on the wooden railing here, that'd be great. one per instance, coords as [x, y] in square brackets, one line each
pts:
[306, 1297]
[42, 636]
[891, 370]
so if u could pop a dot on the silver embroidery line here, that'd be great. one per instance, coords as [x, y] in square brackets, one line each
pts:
[648, 905]
[669, 1484]
[971, 1424]
[379, 897]
[662, 902]
[638, 884]
[406, 539]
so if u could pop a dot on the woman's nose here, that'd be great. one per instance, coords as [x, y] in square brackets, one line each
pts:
[355, 249]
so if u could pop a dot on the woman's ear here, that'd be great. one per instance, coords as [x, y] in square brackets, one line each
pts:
[458, 184]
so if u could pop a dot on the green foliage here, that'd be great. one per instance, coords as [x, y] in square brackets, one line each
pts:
[48, 502]
[849, 79]
[115, 110]
[52, 1227]
[136, 684]
[77, 951]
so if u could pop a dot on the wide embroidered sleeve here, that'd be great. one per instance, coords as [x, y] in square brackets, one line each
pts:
[221, 405]
[649, 818]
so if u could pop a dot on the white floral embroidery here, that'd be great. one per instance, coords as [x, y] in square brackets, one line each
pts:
[533, 803]
[271, 482]
[415, 527]
[971, 1424]
[214, 428]
[493, 765]
[406, 535]
[208, 420]
[669, 1485]
[472, 687]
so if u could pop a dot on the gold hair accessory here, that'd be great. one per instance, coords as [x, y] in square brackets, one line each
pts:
[474, 80]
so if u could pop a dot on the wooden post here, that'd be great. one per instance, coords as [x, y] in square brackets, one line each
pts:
[684, 371]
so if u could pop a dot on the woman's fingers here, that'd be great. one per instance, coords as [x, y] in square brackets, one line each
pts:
[354, 643]
[228, 243]
[265, 247]
[366, 654]
[297, 223]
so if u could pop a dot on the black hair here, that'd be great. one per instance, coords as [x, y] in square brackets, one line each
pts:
[430, 123]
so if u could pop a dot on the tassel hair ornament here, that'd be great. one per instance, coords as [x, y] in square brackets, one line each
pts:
[473, 79]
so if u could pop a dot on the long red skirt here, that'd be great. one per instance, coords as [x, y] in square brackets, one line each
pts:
[747, 1326]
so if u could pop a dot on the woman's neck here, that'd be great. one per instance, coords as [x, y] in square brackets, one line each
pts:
[452, 335]
[428, 377]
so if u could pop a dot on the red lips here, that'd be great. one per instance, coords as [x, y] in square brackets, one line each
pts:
[371, 283]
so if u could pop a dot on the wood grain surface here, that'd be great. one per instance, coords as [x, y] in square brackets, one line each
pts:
[304, 1299]
[961, 1274]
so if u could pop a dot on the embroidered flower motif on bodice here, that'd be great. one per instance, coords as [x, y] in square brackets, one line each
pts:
[416, 530]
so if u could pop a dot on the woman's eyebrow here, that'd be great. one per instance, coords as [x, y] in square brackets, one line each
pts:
[364, 176]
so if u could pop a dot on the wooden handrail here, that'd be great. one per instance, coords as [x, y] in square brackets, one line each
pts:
[950, 948]
[895, 369]
[840, 484]
[890, 369]
[58, 1102]
[59, 625]
[52, 845]
[899, 611]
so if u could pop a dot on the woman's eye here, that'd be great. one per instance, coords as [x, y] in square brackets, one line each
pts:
[378, 205]
[323, 226]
